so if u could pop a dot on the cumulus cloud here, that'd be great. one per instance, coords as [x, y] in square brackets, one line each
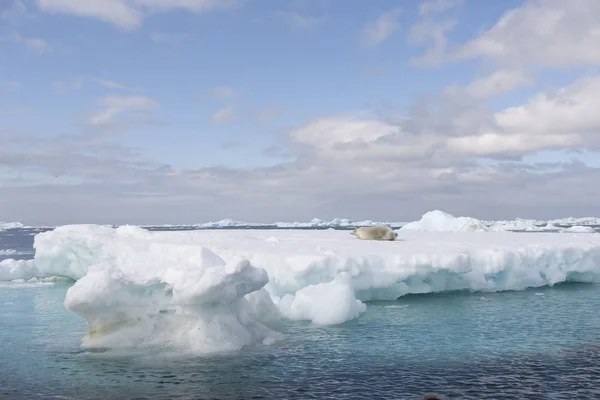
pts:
[129, 14]
[546, 33]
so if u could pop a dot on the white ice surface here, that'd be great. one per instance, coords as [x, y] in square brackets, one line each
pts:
[212, 290]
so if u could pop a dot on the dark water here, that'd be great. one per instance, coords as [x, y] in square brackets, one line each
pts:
[534, 344]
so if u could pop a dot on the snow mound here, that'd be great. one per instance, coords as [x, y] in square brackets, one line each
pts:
[440, 221]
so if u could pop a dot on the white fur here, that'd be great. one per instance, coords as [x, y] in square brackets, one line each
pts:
[375, 233]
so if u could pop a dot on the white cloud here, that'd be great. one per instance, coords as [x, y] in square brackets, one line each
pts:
[432, 28]
[112, 84]
[117, 12]
[498, 83]
[115, 105]
[545, 33]
[128, 14]
[377, 31]
[563, 120]
[223, 115]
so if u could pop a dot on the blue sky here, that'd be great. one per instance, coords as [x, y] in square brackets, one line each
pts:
[204, 101]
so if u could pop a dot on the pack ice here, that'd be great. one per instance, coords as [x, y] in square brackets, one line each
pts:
[215, 290]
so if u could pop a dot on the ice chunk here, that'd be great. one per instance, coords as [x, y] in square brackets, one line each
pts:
[579, 229]
[138, 288]
[11, 270]
[440, 221]
[328, 303]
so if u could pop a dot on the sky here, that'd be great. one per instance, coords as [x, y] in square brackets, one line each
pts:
[187, 111]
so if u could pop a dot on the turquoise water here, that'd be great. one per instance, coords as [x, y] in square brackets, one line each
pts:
[540, 343]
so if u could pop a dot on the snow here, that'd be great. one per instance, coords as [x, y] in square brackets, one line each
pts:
[220, 290]
[440, 221]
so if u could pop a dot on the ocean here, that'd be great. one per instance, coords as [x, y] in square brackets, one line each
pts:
[524, 343]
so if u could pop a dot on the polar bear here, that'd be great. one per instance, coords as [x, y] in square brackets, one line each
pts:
[375, 233]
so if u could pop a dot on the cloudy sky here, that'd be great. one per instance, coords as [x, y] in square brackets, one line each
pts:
[184, 111]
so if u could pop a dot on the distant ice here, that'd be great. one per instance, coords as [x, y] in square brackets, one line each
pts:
[440, 221]
[8, 252]
[584, 221]
[10, 225]
[579, 229]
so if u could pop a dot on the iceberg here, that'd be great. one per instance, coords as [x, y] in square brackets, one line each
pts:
[220, 290]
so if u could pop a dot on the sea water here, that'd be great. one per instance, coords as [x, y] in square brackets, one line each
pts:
[537, 343]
